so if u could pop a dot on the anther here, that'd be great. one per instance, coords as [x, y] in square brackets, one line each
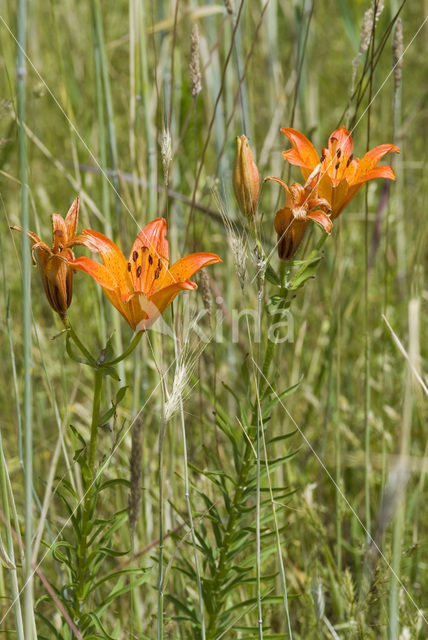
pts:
[129, 266]
[339, 152]
[135, 256]
[351, 157]
[337, 166]
[150, 259]
[139, 270]
[322, 157]
[143, 249]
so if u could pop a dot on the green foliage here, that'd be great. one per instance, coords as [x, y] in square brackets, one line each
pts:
[225, 531]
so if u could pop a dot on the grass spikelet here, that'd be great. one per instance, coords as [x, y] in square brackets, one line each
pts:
[370, 16]
[230, 6]
[135, 490]
[194, 67]
[318, 600]
[238, 241]
[397, 53]
[181, 386]
[204, 288]
[166, 153]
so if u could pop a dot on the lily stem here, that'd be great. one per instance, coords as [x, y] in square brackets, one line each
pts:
[89, 481]
[79, 344]
[99, 365]
[134, 342]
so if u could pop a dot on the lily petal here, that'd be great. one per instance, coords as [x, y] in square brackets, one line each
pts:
[303, 153]
[33, 237]
[149, 257]
[384, 171]
[161, 299]
[283, 184]
[322, 219]
[59, 232]
[103, 276]
[71, 220]
[187, 266]
[112, 257]
[371, 159]
[341, 139]
[96, 270]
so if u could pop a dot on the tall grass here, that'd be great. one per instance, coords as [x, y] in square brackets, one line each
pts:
[266, 504]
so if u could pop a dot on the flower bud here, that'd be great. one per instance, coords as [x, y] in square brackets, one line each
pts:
[57, 278]
[55, 270]
[246, 179]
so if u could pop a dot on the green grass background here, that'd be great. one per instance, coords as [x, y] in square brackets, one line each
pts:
[103, 80]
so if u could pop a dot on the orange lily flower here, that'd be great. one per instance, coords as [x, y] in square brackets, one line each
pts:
[340, 175]
[301, 206]
[143, 286]
[56, 273]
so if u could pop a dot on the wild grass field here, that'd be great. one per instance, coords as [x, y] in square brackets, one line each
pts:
[254, 464]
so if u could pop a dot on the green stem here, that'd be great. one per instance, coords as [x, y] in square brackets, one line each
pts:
[9, 544]
[134, 342]
[160, 561]
[94, 423]
[26, 285]
[89, 481]
[92, 361]
[79, 344]
[220, 573]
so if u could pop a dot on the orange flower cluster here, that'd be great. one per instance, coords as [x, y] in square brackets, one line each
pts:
[140, 288]
[332, 179]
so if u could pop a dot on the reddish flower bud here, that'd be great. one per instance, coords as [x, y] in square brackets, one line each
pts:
[246, 179]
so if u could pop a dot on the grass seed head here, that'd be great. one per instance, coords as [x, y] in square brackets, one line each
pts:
[397, 53]
[195, 70]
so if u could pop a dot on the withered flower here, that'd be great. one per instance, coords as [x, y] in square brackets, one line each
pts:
[56, 273]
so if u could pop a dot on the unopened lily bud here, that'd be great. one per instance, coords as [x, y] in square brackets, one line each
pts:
[246, 179]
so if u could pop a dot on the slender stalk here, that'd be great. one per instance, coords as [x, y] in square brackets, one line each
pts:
[9, 541]
[91, 360]
[134, 342]
[88, 488]
[79, 344]
[405, 436]
[189, 508]
[94, 422]
[367, 430]
[160, 560]
[189, 512]
[103, 90]
[148, 128]
[26, 291]
[258, 486]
